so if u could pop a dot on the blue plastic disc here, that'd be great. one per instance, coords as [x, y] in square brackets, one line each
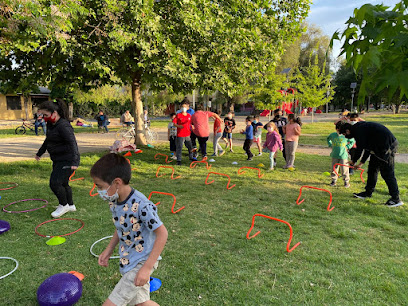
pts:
[155, 284]
[4, 226]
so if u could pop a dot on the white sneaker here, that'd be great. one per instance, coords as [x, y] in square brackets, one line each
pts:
[174, 157]
[71, 207]
[62, 209]
[260, 154]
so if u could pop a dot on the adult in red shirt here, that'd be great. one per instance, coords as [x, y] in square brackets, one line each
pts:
[183, 123]
[201, 128]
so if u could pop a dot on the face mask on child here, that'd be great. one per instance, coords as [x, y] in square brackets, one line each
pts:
[184, 109]
[269, 129]
[104, 194]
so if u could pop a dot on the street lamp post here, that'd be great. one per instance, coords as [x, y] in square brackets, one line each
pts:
[352, 86]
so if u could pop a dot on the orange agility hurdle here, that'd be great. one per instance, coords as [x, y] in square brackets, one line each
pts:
[311, 187]
[77, 179]
[223, 174]
[361, 173]
[194, 164]
[172, 174]
[160, 154]
[243, 171]
[272, 218]
[90, 192]
[174, 200]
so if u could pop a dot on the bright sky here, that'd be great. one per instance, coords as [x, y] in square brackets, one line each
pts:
[331, 15]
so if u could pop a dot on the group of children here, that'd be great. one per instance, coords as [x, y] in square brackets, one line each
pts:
[282, 134]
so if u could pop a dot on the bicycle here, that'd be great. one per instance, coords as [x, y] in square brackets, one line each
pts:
[129, 133]
[27, 125]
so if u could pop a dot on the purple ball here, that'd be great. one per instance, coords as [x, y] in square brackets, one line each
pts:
[62, 289]
[4, 226]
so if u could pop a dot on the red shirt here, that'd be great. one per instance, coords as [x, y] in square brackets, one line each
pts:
[200, 122]
[217, 125]
[185, 121]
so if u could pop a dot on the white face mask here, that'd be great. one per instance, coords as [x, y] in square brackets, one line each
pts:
[353, 122]
[269, 129]
[104, 194]
[184, 109]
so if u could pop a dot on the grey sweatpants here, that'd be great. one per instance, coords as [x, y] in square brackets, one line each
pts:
[290, 150]
[179, 147]
[217, 146]
[344, 170]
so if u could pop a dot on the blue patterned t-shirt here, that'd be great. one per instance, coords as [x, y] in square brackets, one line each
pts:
[135, 220]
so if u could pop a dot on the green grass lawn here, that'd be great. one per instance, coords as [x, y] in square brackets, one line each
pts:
[356, 254]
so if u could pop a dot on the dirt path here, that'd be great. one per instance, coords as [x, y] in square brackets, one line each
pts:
[25, 148]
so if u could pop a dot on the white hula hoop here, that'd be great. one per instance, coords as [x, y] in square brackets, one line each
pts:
[12, 270]
[90, 250]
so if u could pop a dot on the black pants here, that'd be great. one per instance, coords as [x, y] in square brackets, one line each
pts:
[61, 171]
[283, 151]
[173, 143]
[202, 141]
[203, 145]
[386, 168]
[193, 138]
[247, 147]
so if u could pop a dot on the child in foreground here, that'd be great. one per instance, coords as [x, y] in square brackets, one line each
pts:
[249, 136]
[339, 154]
[272, 143]
[139, 232]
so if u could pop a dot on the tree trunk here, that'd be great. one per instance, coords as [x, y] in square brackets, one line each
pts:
[137, 108]
[397, 108]
[25, 98]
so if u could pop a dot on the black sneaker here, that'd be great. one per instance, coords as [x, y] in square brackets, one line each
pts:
[250, 158]
[362, 195]
[333, 183]
[178, 163]
[394, 202]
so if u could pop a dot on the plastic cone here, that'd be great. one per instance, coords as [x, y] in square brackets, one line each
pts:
[128, 154]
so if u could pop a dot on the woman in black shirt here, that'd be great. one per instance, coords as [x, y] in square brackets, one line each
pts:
[61, 144]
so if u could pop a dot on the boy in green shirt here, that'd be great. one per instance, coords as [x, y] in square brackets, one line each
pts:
[340, 146]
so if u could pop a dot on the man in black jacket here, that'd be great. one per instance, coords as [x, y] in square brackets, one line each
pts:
[380, 145]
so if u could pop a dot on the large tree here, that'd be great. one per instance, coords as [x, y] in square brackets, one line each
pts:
[375, 43]
[313, 83]
[176, 44]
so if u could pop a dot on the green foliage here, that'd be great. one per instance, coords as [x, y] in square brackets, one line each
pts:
[269, 95]
[177, 44]
[375, 43]
[313, 83]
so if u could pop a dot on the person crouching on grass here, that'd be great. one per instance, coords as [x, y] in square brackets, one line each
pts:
[139, 231]
[61, 144]
[249, 136]
[339, 154]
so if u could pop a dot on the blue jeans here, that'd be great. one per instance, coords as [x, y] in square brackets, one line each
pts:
[37, 124]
